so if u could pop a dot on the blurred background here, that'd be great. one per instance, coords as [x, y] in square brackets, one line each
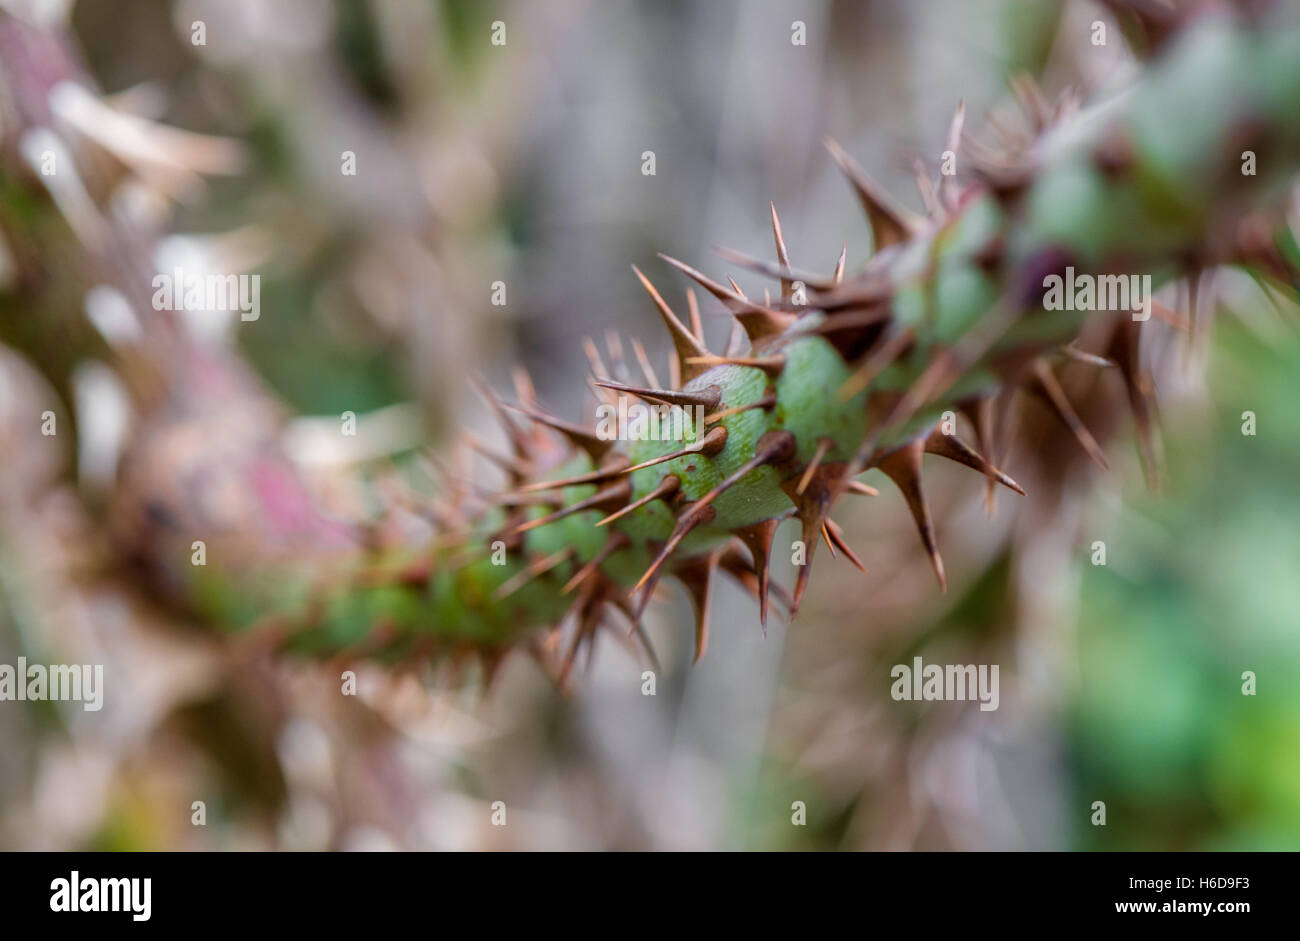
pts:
[523, 163]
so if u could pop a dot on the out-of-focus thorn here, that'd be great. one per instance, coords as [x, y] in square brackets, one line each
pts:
[925, 187]
[948, 181]
[890, 346]
[534, 569]
[890, 222]
[616, 541]
[1050, 389]
[1125, 350]
[580, 437]
[737, 344]
[646, 368]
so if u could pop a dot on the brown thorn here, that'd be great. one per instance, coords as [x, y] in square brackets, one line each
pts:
[533, 570]
[616, 541]
[766, 402]
[837, 535]
[822, 447]
[890, 223]
[593, 477]
[874, 290]
[518, 441]
[597, 368]
[838, 276]
[621, 605]
[697, 576]
[866, 490]
[787, 283]
[584, 438]
[809, 520]
[516, 467]
[903, 466]
[758, 538]
[685, 524]
[925, 186]
[889, 348]
[667, 487]
[614, 493]
[525, 390]
[737, 343]
[811, 507]
[707, 398]
[684, 342]
[853, 319]
[1166, 314]
[1061, 407]
[826, 537]
[587, 617]
[772, 365]
[709, 445]
[777, 271]
[693, 309]
[980, 413]
[757, 321]
[646, 368]
[617, 362]
[954, 449]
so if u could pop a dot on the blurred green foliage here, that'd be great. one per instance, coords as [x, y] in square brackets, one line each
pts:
[1161, 730]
